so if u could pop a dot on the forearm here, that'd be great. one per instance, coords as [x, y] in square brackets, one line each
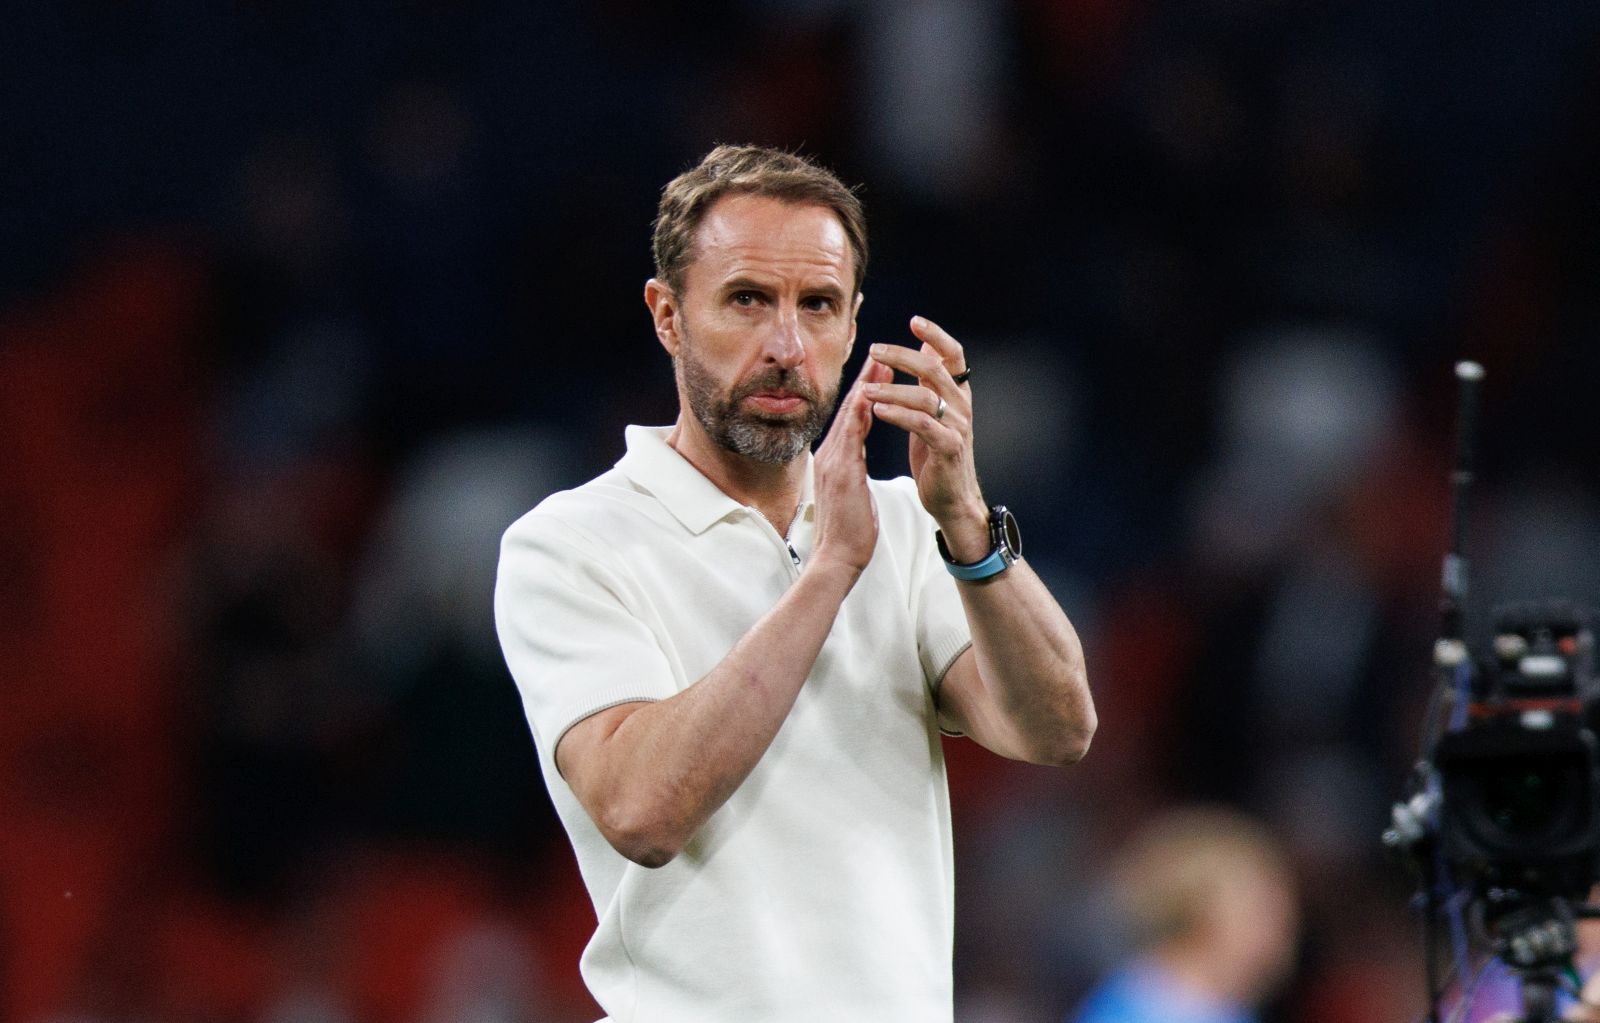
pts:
[1033, 701]
[1022, 690]
[668, 766]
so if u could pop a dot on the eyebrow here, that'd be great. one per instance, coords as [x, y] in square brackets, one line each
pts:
[743, 283]
[832, 291]
[746, 283]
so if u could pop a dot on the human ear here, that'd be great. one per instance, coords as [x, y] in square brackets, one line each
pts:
[663, 303]
[855, 310]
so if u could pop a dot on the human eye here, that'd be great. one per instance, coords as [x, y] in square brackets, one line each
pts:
[819, 303]
[745, 298]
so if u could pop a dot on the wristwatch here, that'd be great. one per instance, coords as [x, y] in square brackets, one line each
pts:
[1005, 537]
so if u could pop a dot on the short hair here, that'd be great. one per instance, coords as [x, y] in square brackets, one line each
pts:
[1173, 870]
[748, 170]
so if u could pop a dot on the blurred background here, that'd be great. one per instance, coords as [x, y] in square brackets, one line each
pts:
[302, 303]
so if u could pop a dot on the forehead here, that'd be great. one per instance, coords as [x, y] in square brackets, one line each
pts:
[743, 233]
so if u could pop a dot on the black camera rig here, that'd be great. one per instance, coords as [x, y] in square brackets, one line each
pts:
[1503, 819]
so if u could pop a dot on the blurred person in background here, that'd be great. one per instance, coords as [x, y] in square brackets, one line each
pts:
[737, 658]
[1209, 900]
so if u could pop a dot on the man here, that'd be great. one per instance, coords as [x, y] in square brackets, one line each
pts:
[736, 657]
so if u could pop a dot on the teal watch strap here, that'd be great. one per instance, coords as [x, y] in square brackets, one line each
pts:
[1007, 540]
[994, 564]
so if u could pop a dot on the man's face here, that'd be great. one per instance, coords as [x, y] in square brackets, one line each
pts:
[765, 321]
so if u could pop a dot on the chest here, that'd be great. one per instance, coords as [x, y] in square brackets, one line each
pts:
[714, 587]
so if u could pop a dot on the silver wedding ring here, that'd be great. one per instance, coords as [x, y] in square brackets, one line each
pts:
[938, 413]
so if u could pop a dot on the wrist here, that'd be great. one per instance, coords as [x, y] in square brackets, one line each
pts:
[838, 572]
[966, 535]
[1004, 548]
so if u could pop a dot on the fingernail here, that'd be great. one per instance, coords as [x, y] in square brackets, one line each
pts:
[879, 349]
[918, 321]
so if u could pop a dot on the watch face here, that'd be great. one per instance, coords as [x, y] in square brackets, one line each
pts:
[1007, 534]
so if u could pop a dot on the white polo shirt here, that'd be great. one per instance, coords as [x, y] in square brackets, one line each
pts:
[823, 888]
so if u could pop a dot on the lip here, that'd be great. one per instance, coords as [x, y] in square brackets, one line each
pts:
[777, 402]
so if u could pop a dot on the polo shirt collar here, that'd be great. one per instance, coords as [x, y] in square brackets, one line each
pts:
[685, 492]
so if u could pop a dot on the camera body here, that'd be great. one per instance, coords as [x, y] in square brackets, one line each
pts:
[1520, 779]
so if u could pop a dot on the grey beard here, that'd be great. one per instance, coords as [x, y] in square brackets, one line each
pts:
[761, 439]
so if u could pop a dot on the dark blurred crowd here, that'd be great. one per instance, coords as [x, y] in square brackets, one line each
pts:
[302, 304]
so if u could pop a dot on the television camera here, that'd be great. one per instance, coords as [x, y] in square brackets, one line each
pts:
[1502, 825]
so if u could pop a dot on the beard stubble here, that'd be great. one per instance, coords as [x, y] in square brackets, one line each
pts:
[773, 440]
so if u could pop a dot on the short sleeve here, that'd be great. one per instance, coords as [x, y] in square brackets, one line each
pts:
[570, 632]
[941, 621]
[942, 629]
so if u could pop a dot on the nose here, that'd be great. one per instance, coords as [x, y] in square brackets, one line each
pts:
[785, 346]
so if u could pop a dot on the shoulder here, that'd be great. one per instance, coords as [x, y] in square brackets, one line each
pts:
[899, 505]
[898, 491]
[578, 520]
[903, 524]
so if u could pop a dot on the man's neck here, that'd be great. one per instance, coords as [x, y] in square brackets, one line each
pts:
[773, 490]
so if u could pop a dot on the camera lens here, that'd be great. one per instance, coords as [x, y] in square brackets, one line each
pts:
[1524, 804]
[1528, 798]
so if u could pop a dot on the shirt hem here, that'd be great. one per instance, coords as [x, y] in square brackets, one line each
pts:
[586, 715]
[938, 684]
